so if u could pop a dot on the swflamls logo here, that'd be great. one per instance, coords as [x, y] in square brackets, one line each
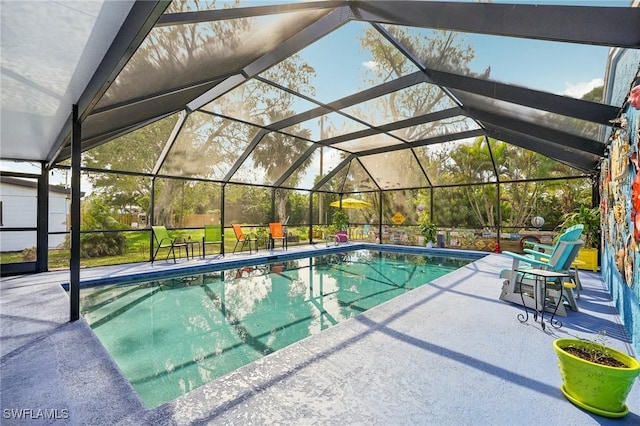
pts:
[35, 414]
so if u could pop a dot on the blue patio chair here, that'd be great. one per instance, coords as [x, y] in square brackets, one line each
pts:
[517, 288]
[543, 251]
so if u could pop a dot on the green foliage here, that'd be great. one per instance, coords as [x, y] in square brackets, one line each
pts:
[29, 254]
[340, 220]
[590, 218]
[427, 228]
[97, 216]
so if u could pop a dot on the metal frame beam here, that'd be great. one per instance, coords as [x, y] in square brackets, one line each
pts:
[414, 121]
[576, 108]
[195, 17]
[333, 172]
[558, 137]
[572, 158]
[605, 26]
[74, 261]
[363, 96]
[169, 143]
[42, 218]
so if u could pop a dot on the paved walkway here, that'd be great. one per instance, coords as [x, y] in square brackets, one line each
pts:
[450, 353]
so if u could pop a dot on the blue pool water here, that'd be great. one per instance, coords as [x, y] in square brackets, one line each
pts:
[170, 336]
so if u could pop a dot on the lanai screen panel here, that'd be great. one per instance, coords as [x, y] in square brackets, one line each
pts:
[446, 126]
[402, 104]
[457, 162]
[353, 46]
[321, 162]
[326, 126]
[514, 163]
[137, 151]
[395, 170]
[247, 205]
[404, 202]
[358, 179]
[523, 62]
[365, 214]
[223, 4]
[520, 112]
[207, 147]
[368, 142]
[336, 183]
[271, 158]
[465, 207]
[258, 103]
[201, 52]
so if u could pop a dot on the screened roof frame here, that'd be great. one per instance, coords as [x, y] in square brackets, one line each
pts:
[579, 152]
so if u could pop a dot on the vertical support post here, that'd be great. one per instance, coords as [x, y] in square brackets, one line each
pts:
[499, 211]
[431, 205]
[311, 217]
[595, 192]
[74, 288]
[321, 173]
[152, 215]
[42, 234]
[379, 217]
[273, 206]
[222, 198]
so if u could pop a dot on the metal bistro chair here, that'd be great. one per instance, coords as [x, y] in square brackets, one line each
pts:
[213, 235]
[163, 240]
[244, 239]
[276, 232]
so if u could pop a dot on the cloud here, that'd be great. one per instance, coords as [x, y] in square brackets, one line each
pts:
[578, 90]
[371, 65]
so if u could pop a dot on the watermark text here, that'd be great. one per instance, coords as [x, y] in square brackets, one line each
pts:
[35, 414]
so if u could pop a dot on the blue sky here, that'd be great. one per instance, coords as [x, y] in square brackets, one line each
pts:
[560, 68]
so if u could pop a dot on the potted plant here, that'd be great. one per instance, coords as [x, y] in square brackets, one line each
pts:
[590, 219]
[340, 224]
[596, 377]
[429, 230]
[340, 220]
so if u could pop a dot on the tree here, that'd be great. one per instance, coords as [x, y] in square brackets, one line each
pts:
[137, 151]
[97, 215]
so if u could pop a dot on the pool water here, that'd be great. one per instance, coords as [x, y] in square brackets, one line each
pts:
[171, 336]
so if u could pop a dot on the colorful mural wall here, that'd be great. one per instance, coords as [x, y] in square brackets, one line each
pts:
[620, 204]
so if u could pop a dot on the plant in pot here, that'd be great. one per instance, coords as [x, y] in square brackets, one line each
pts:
[340, 221]
[429, 231]
[596, 377]
[590, 219]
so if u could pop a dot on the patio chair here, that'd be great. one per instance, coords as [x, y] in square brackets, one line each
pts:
[276, 232]
[163, 240]
[212, 235]
[365, 232]
[518, 286]
[544, 252]
[244, 239]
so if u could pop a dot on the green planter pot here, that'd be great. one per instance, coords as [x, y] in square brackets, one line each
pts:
[597, 388]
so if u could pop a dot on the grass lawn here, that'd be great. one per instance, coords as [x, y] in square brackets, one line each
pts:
[136, 249]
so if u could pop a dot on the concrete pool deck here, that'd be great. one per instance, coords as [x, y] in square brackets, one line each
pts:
[449, 353]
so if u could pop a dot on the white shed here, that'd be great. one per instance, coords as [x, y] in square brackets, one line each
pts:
[18, 209]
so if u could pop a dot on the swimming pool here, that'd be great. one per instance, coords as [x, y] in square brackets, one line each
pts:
[170, 336]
